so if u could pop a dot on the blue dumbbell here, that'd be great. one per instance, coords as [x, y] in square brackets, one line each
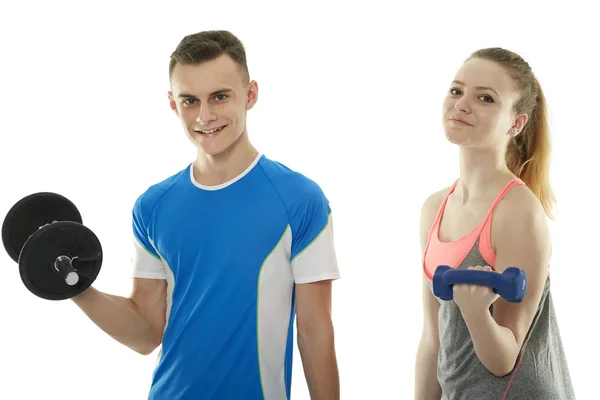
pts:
[511, 284]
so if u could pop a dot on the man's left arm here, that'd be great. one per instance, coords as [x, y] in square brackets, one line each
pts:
[314, 267]
[316, 339]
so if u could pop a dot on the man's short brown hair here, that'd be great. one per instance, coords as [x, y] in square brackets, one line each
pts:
[208, 45]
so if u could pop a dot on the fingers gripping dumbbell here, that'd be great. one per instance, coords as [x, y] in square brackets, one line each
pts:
[511, 284]
[57, 260]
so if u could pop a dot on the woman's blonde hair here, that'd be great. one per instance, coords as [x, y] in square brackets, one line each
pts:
[528, 153]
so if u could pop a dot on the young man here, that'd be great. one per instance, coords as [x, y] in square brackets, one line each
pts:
[228, 250]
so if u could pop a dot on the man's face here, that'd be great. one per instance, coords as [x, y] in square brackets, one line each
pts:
[211, 100]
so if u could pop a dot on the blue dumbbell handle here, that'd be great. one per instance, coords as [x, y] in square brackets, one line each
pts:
[458, 276]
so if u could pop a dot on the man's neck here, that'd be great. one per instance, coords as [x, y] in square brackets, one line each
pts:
[216, 170]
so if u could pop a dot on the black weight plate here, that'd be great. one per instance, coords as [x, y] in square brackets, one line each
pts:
[71, 239]
[31, 212]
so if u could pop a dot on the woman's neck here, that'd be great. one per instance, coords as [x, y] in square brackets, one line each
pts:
[482, 172]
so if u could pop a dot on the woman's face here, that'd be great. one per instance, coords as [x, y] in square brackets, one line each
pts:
[479, 108]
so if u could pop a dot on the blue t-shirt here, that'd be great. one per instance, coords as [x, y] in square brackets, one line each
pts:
[231, 255]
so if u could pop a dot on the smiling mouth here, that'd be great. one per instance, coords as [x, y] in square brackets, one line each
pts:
[210, 131]
[460, 122]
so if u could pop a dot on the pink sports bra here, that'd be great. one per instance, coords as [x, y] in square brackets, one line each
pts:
[453, 253]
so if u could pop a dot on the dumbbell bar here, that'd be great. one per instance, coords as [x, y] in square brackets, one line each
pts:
[511, 284]
[57, 260]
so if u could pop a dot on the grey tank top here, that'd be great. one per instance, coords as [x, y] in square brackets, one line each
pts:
[540, 372]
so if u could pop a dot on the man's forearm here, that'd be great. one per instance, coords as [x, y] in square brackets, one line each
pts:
[118, 317]
[319, 360]
[495, 345]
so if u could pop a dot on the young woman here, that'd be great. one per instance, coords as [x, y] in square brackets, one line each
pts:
[478, 345]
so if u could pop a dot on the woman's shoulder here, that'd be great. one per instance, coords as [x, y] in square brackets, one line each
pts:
[519, 209]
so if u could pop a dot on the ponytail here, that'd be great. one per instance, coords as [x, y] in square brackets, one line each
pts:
[528, 153]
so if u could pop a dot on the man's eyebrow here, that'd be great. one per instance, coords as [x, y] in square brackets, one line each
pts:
[478, 87]
[221, 91]
[215, 93]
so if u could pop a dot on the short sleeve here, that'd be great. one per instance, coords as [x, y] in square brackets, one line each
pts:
[146, 263]
[313, 251]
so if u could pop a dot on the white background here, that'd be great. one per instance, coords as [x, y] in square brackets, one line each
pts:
[348, 94]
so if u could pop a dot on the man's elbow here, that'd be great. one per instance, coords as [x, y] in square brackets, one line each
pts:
[143, 349]
[310, 329]
[147, 347]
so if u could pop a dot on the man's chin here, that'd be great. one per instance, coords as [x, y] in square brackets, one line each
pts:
[210, 149]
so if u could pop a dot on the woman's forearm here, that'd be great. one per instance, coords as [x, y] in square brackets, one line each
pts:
[495, 345]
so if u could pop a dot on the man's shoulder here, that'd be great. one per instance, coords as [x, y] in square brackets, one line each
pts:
[290, 182]
[155, 191]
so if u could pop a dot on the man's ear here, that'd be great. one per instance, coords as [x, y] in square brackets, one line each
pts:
[173, 103]
[252, 95]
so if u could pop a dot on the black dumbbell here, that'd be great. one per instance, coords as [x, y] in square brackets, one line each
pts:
[57, 260]
[511, 284]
